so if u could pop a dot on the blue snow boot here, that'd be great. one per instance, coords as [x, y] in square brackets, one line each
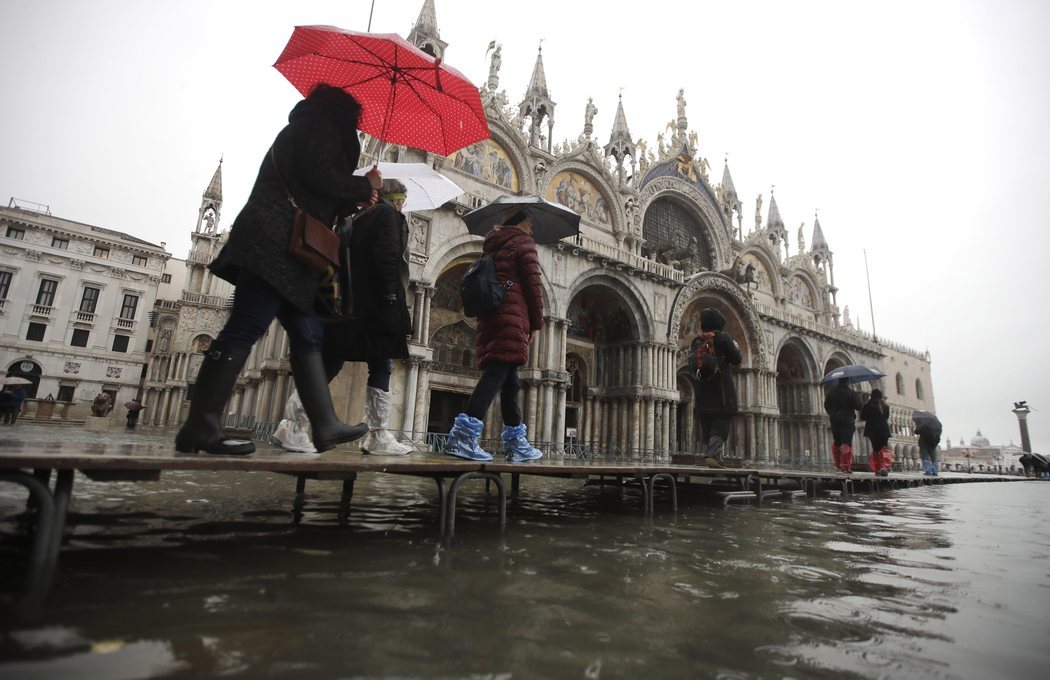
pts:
[462, 441]
[517, 446]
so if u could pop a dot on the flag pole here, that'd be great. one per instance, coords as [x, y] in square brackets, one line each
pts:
[871, 307]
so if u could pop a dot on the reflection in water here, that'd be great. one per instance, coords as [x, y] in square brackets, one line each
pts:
[204, 574]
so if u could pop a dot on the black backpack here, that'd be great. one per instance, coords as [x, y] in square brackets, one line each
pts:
[480, 288]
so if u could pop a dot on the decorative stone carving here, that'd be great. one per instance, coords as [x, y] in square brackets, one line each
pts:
[72, 367]
[113, 371]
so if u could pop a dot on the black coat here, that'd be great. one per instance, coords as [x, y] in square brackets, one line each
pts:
[717, 396]
[876, 417]
[379, 276]
[929, 434]
[842, 404]
[316, 154]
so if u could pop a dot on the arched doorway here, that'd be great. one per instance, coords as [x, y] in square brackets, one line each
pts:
[801, 406]
[27, 370]
[604, 361]
[741, 443]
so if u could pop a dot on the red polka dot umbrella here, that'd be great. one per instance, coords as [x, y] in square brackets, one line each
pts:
[406, 95]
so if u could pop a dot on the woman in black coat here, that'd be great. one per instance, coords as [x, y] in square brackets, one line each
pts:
[312, 159]
[379, 329]
[876, 417]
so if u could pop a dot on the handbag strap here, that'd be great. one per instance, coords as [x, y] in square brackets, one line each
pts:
[291, 199]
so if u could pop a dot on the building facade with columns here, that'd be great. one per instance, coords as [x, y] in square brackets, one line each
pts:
[74, 309]
[660, 240]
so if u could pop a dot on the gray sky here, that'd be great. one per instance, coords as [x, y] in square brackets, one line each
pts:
[920, 129]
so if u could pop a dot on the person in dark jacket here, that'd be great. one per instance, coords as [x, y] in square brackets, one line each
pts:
[716, 398]
[841, 405]
[876, 417]
[379, 330]
[312, 160]
[502, 342]
[929, 432]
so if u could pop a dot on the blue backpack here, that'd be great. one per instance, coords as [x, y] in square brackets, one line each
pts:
[480, 289]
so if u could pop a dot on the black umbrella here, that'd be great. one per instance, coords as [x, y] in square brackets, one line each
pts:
[855, 374]
[550, 221]
[920, 417]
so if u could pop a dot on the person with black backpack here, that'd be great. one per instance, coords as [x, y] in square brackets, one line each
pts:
[716, 399]
[502, 341]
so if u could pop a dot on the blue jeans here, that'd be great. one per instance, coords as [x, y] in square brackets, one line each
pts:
[255, 305]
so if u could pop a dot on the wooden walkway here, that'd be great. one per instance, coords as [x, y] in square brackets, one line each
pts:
[33, 464]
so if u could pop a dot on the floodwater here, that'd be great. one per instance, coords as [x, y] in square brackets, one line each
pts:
[218, 574]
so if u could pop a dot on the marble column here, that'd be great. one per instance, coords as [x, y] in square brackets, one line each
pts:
[422, 396]
[409, 396]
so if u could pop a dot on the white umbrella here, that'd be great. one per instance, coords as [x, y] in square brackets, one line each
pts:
[15, 380]
[427, 188]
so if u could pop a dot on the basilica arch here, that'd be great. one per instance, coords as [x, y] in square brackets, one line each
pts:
[621, 376]
[754, 432]
[800, 402]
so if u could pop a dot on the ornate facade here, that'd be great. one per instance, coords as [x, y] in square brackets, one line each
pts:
[659, 241]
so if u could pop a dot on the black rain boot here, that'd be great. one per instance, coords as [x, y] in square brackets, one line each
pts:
[328, 431]
[202, 430]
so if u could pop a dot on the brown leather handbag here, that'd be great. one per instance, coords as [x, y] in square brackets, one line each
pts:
[312, 243]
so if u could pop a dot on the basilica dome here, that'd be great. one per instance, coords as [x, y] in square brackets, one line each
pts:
[979, 440]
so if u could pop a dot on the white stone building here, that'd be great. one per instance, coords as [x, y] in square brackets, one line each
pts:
[74, 309]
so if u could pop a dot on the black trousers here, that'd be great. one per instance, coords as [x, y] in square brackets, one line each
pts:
[715, 424]
[500, 377]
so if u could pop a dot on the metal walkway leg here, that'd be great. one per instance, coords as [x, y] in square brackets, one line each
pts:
[450, 523]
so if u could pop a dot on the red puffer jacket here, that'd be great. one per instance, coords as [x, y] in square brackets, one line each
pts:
[503, 334]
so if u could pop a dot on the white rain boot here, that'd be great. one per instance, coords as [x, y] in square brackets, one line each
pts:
[379, 441]
[291, 433]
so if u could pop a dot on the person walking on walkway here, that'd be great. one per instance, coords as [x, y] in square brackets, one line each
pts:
[312, 160]
[502, 342]
[929, 432]
[380, 326]
[716, 398]
[841, 404]
[876, 417]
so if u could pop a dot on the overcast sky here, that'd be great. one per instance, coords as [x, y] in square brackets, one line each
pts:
[919, 129]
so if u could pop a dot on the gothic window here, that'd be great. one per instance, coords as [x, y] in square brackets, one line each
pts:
[573, 366]
[920, 394]
[900, 384]
[674, 236]
[453, 347]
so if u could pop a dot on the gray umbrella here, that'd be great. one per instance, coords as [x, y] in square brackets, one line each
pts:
[550, 221]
